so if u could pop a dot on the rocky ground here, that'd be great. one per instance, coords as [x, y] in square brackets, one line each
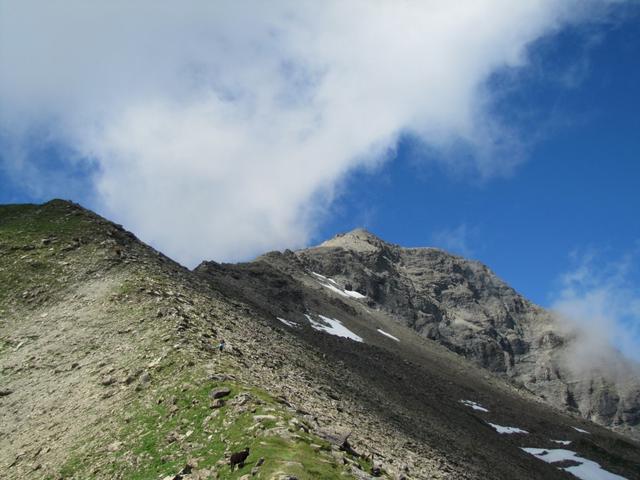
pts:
[108, 369]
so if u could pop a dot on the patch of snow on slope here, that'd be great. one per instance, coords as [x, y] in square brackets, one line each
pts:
[587, 470]
[335, 289]
[562, 442]
[333, 327]
[581, 430]
[501, 429]
[388, 335]
[287, 322]
[474, 405]
[324, 278]
[332, 285]
[354, 294]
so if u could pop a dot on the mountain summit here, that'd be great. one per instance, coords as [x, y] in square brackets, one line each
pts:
[356, 240]
[464, 306]
[354, 359]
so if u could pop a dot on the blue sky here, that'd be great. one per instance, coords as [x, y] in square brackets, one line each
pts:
[507, 132]
[578, 190]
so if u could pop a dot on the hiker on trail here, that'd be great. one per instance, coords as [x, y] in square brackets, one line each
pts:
[221, 345]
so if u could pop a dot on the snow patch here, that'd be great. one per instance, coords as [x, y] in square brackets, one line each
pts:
[332, 285]
[334, 289]
[562, 442]
[326, 279]
[475, 406]
[288, 323]
[333, 327]
[318, 275]
[388, 335]
[354, 294]
[501, 429]
[586, 470]
[581, 430]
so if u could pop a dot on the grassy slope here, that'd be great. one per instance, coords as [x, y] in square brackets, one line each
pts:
[74, 310]
[157, 438]
[30, 240]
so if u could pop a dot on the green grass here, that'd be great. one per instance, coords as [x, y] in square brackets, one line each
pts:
[33, 272]
[205, 434]
[37, 221]
[32, 243]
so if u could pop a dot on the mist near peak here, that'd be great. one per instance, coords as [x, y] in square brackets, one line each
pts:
[598, 307]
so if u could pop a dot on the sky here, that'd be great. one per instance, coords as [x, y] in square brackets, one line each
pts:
[503, 131]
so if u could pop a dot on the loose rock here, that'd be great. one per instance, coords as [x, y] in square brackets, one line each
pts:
[219, 392]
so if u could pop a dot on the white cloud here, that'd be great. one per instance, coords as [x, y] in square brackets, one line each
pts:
[220, 129]
[454, 239]
[600, 307]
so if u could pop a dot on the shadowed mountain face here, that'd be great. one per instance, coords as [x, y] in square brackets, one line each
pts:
[109, 366]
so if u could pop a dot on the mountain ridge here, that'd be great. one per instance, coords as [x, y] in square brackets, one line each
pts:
[108, 358]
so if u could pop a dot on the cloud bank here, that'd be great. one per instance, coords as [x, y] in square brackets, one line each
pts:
[221, 129]
[599, 306]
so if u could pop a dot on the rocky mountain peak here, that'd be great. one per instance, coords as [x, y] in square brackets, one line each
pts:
[359, 240]
[464, 306]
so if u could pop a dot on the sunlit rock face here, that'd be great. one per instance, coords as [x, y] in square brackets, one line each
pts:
[464, 306]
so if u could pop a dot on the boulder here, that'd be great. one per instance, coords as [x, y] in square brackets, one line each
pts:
[219, 392]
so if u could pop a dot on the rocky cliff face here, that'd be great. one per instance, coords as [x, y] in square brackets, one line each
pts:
[464, 306]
